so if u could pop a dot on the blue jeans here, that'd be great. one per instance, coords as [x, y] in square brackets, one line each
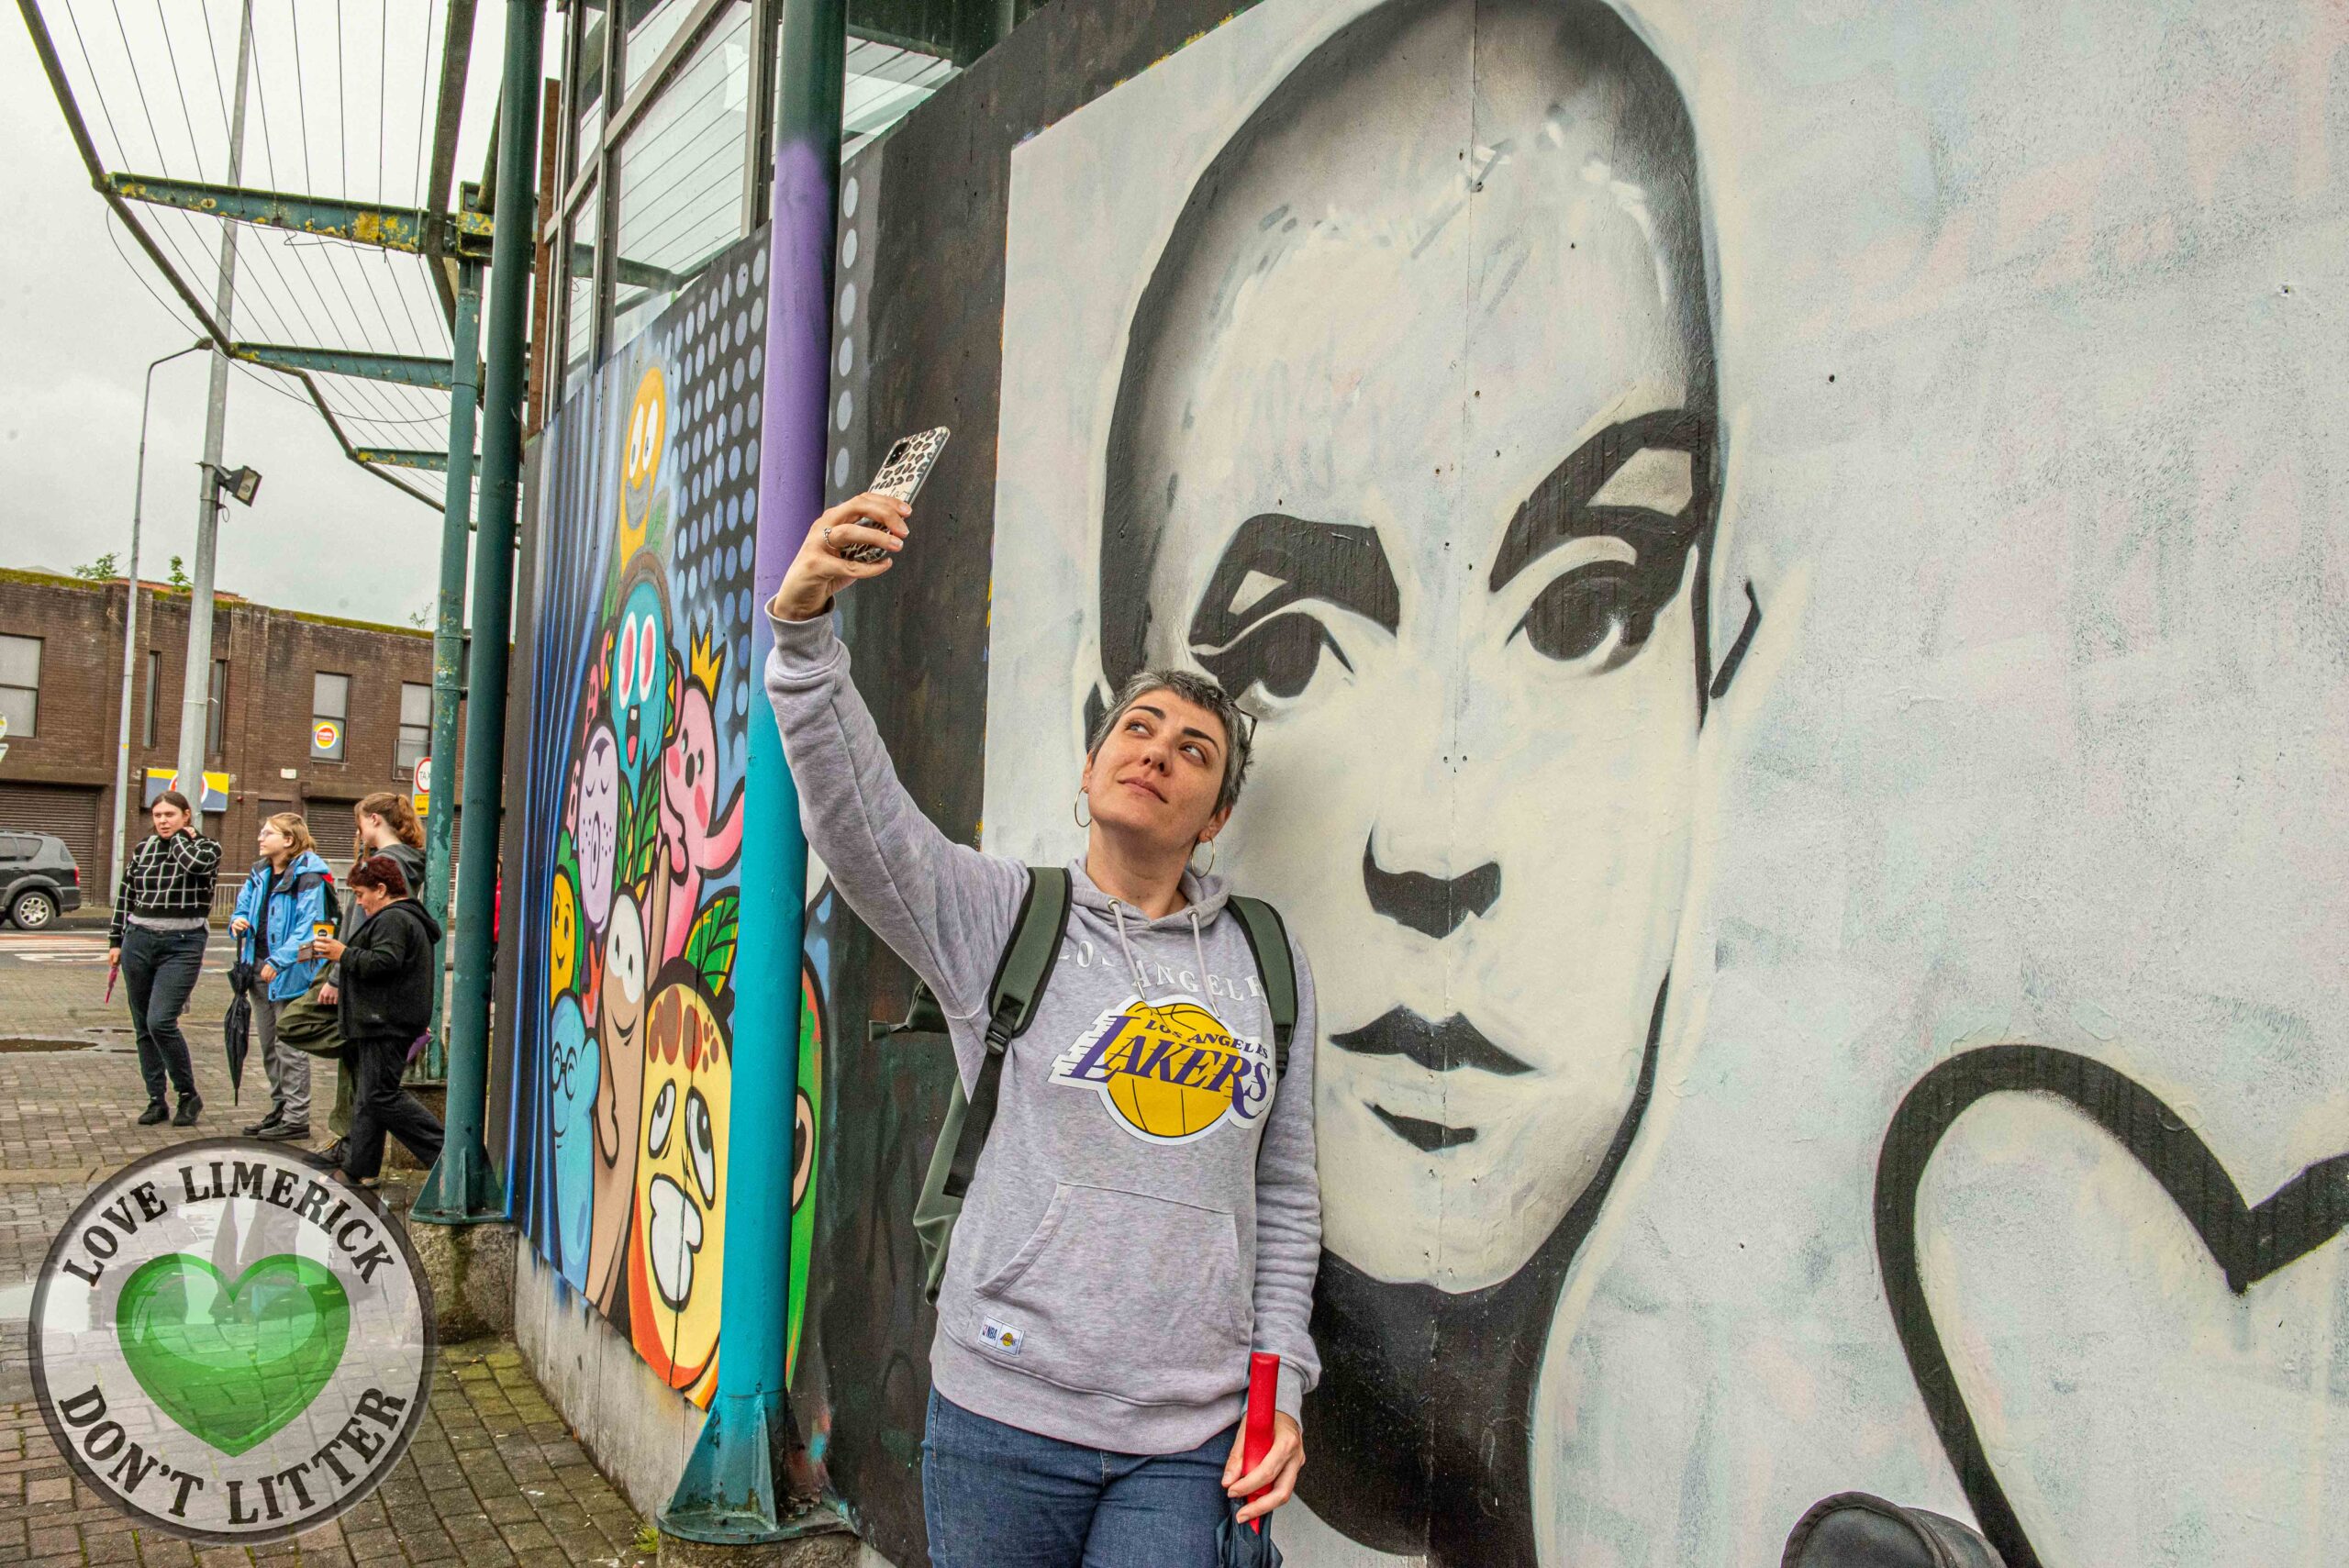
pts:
[995, 1496]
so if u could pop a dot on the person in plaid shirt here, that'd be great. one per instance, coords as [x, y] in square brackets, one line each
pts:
[161, 908]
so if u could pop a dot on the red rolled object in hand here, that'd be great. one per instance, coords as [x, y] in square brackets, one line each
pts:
[1256, 1435]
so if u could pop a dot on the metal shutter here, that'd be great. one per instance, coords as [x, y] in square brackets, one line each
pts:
[68, 811]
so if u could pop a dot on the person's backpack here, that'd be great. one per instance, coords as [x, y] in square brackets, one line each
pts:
[332, 913]
[1020, 978]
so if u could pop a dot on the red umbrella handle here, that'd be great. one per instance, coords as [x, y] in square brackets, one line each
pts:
[1257, 1437]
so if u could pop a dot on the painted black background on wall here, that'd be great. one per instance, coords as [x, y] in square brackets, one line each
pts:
[2249, 1243]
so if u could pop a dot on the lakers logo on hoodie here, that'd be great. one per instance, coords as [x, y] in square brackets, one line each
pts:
[1169, 1071]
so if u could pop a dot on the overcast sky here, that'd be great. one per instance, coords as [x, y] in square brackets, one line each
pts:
[82, 311]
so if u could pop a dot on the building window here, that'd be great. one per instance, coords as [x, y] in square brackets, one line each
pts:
[329, 715]
[154, 694]
[416, 725]
[216, 717]
[20, 685]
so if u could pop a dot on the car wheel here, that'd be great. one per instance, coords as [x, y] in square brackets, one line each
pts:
[32, 911]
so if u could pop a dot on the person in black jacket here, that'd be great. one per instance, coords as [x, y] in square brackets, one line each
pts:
[388, 972]
[159, 913]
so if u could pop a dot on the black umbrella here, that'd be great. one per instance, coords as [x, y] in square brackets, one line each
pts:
[1246, 1546]
[236, 1026]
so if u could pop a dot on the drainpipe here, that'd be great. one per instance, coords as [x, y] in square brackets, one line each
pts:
[748, 1480]
[461, 1189]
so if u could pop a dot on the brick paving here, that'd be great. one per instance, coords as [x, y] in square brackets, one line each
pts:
[493, 1477]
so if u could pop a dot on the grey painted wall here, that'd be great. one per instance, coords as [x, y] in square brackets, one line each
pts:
[2026, 326]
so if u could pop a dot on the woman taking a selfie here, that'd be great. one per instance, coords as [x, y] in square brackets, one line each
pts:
[160, 910]
[1145, 1210]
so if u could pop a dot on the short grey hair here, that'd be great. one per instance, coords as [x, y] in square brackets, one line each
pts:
[1199, 691]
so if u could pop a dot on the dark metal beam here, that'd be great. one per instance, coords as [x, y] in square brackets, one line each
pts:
[362, 223]
[403, 370]
[449, 110]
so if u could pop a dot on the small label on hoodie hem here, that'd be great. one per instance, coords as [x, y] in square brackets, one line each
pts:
[1000, 1337]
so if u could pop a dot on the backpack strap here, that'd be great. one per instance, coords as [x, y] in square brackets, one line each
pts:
[1020, 977]
[1268, 942]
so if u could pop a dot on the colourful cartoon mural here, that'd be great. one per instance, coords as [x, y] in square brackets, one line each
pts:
[640, 689]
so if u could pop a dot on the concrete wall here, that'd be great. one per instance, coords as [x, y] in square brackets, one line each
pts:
[638, 1429]
[1882, 831]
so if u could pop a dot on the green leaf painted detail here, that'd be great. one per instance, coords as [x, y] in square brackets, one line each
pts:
[709, 946]
[232, 1363]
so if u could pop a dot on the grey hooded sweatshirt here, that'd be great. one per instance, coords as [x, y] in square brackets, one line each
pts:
[1146, 1211]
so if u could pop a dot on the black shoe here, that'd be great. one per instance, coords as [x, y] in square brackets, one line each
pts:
[341, 1148]
[285, 1131]
[191, 1107]
[276, 1117]
[156, 1111]
[324, 1159]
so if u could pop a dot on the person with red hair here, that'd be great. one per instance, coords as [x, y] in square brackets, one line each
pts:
[388, 972]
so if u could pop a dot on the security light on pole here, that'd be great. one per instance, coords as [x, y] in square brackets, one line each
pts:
[244, 484]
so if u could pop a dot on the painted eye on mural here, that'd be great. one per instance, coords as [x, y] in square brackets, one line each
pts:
[1585, 612]
[627, 662]
[1278, 660]
[702, 1146]
[658, 1125]
[648, 655]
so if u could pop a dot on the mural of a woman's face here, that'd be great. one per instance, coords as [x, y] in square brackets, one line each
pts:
[1458, 588]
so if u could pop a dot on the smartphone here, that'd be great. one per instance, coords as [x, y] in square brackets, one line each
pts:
[902, 472]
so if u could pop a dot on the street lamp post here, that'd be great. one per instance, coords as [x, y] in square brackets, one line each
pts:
[130, 613]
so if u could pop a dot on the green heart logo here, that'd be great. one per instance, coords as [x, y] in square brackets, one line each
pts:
[233, 1362]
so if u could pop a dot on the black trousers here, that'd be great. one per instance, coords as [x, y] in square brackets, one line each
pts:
[379, 1106]
[158, 972]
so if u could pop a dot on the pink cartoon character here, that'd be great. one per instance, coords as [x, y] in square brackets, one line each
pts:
[702, 838]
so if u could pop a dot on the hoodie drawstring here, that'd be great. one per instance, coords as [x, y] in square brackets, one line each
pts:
[1133, 963]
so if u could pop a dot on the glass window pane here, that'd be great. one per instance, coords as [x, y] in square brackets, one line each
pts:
[21, 707]
[587, 94]
[414, 743]
[579, 335]
[650, 25]
[415, 704]
[154, 692]
[19, 660]
[329, 695]
[215, 717]
[680, 174]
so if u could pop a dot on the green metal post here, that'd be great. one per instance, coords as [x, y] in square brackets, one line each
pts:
[449, 635]
[461, 1187]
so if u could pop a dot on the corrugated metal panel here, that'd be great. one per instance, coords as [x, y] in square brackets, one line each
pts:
[71, 812]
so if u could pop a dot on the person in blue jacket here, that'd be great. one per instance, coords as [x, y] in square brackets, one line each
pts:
[280, 908]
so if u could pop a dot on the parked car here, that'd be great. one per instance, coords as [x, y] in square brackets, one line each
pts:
[39, 879]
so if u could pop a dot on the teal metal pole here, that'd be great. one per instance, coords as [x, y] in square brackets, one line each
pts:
[461, 1189]
[449, 639]
[747, 1479]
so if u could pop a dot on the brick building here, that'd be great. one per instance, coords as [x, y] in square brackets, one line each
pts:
[309, 713]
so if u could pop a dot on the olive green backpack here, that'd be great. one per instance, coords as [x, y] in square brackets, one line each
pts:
[1020, 977]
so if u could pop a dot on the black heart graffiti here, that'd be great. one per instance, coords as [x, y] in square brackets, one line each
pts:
[2248, 1241]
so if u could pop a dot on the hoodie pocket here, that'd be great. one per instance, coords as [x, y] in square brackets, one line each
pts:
[1122, 1294]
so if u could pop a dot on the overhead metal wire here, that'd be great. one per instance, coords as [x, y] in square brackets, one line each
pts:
[291, 288]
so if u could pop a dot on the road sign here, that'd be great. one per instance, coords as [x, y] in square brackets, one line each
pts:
[423, 786]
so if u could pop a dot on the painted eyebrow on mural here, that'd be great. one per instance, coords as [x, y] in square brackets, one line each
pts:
[1274, 561]
[1639, 479]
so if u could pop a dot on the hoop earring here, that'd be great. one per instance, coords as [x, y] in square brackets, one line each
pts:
[1077, 809]
[1208, 870]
